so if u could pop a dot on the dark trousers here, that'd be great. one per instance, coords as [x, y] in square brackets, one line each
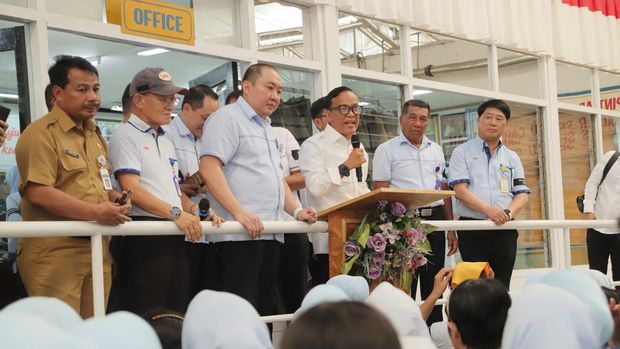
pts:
[155, 272]
[498, 247]
[600, 248]
[115, 301]
[249, 269]
[436, 259]
[293, 279]
[203, 268]
[319, 268]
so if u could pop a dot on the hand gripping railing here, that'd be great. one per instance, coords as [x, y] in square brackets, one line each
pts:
[96, 231]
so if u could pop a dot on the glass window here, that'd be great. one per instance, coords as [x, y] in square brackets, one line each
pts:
[13, 2]
[14, 98]
[576, 142]
[381, 105]
[574, 84]
[118, 63]
[369, 44]
[294, 110]
[610, 90]
[216, 21]
[280, 29]
[518, 73]
[611, 134]
[446, 59]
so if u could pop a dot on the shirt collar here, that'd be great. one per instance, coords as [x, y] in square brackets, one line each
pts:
[142, 126]
[182, 128]
[482, 144]
[66, 123]
[249, 112]
[425, 141]
[332, 135]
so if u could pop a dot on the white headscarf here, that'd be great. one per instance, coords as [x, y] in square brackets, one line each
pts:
[48, 309]
[599, 277]
[416, 343]
[549, 317]
[402, 311]
[224, 321]
[321, 294]
[120, 330]
[22, 330]
[589, 292]
[356, 287]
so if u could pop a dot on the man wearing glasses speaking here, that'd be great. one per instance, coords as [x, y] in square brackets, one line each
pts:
[328, 162]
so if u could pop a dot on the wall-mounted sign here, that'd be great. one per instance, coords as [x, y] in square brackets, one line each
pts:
[153, 19]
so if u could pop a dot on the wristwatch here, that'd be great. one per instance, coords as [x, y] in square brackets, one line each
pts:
[344, 170]
[175, 212]
[509, 213]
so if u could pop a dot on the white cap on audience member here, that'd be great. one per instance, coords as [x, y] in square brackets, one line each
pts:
[356, 287]
[416, 343]
[223, 320]
[120, 330]
[402, 311]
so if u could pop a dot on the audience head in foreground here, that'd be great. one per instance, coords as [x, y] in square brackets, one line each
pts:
[341, 325]
[477, 312]
[168, 325]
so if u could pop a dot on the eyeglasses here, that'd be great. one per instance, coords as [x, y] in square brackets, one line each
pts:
[346, 109]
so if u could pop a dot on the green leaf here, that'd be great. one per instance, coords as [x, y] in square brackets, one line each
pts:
[358, 231]
[428, 228]
[426, 245]
[406, 278]
[348, 264]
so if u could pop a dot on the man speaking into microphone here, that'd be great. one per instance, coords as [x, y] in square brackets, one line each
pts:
[335, 165]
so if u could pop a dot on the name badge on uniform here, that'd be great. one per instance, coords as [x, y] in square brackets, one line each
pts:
[175, 178]
[105, 174]
[105, 178]
[504, 185]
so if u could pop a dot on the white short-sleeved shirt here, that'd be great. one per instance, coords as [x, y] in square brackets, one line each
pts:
[406, 166]
[289, 155]
[472, 163]
[136, 148]
[320, 156]
[604, 200]
[187, 148]
[248, 149]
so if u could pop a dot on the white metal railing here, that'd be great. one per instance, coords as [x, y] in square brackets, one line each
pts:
[96, 231]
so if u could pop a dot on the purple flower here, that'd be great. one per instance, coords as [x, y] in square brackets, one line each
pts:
[398, 209]
[378, 257]
[374, 272]
[419, 260]
[377, 242]
[351, 248]
[417, 236]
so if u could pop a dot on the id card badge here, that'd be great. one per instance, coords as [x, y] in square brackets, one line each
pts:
[105, 178]
[504, 186]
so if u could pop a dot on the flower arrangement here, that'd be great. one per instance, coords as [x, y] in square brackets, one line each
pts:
[390, 247]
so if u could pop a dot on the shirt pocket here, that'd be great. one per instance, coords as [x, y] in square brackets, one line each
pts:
[72, 161]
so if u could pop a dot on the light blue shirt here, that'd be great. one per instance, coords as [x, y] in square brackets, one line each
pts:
[472, 163]
[248, 149]
[406, 166]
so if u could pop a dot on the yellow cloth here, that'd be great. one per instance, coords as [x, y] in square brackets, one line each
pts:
[469, 271]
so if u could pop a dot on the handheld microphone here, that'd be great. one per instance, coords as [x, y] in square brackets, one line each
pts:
[204, 209]
[355, 142]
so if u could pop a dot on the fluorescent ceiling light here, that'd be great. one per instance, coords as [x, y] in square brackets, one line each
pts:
[151, 52]
[363, 104]
[9, 96]
[116, 107]
[421, 92]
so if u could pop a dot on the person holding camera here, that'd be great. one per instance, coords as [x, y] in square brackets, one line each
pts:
[601, 201]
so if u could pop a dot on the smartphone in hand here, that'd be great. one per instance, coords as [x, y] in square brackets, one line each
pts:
[4, 113]
[124, 199]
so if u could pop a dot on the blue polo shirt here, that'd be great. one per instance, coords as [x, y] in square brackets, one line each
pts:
[248, 149]
[472, 163]
[406, 166]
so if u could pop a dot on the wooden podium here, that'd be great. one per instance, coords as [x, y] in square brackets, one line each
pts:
[342, 219]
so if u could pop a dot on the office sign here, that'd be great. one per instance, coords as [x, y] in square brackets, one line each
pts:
[158, 20]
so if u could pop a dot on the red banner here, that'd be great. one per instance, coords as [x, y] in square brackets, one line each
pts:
[606, 7]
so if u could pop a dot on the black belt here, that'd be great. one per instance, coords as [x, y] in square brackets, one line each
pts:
[429, 211]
